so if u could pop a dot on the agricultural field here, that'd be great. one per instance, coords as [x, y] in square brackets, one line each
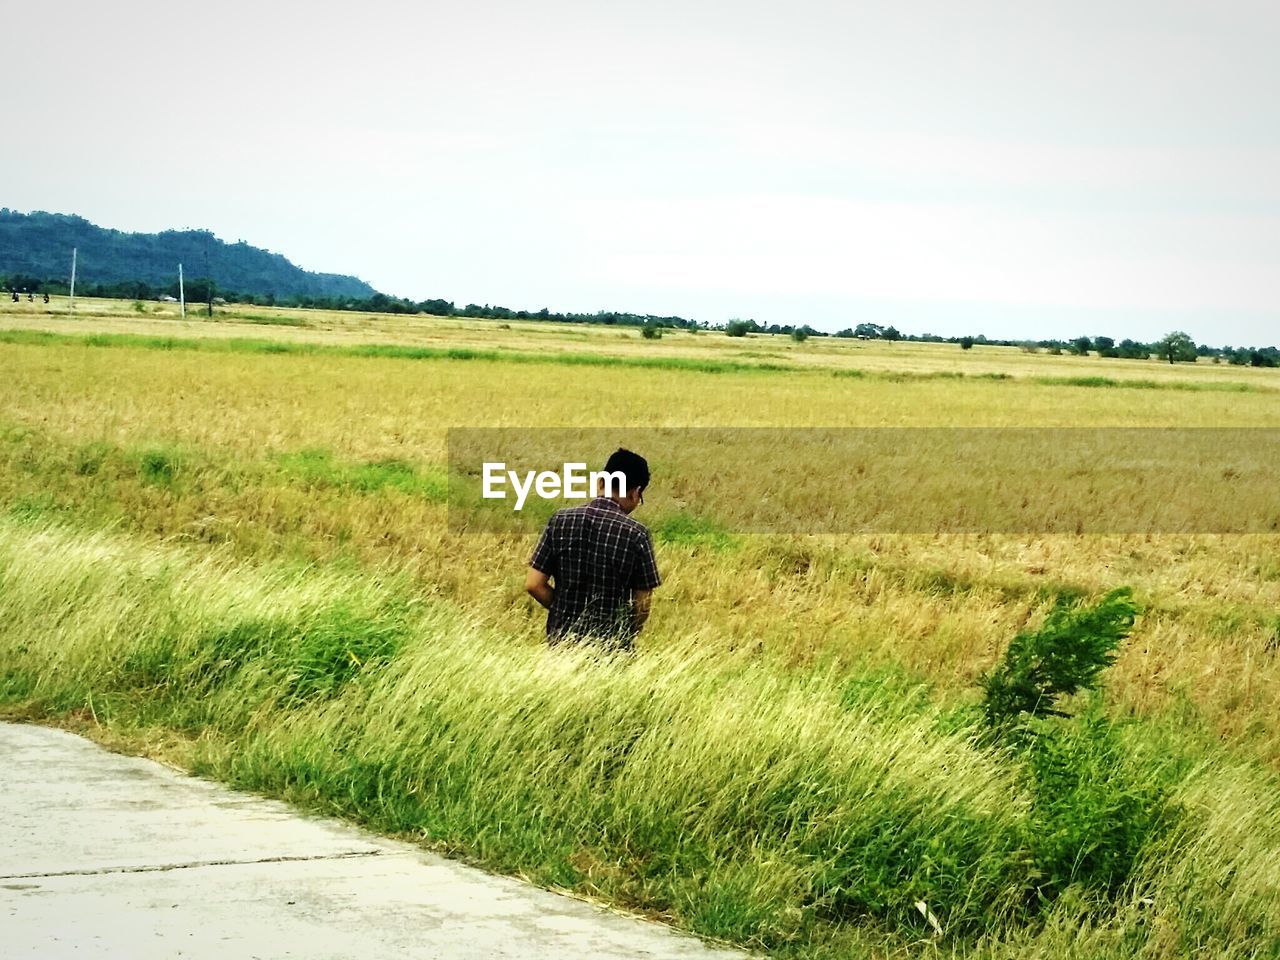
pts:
[226, 542]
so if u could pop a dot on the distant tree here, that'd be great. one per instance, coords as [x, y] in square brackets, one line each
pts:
[800, 334]
[738, 328]
[890, 333]
[1177, 347]
[966, 343]
[1132, 350]
[845, 334]
[199, 290]
[437, 307]
[651, 331]
[1081, 346]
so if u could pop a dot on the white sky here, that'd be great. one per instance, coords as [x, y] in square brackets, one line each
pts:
[1011, 168]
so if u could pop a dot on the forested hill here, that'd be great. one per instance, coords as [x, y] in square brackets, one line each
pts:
[37, 247]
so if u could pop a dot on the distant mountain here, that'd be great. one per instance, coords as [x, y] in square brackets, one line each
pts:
[38, 245]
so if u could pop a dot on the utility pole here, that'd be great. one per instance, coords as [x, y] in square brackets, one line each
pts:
[182, 294]
[73, 278]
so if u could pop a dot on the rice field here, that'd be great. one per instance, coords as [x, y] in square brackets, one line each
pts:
[227, 542]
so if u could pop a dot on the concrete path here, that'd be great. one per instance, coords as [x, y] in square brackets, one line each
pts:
[110, 856]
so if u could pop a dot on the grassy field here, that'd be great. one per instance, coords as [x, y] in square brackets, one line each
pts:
[225, 541]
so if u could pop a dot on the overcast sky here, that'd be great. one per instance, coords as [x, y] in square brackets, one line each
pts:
[1012, 168]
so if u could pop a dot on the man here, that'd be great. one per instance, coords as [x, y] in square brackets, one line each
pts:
[601, 562]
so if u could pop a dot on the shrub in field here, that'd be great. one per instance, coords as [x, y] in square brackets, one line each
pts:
[1095, 810]
[651, 331]
[90, 457]
[1064, 656]
[158, 466]
[737, 328]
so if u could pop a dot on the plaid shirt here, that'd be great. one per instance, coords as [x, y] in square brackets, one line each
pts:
[597, 556]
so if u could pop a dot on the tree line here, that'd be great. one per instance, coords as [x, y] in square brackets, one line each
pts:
[201, 289]
[1176, 347]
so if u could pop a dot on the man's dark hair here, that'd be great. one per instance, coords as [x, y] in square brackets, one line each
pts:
[631, 465]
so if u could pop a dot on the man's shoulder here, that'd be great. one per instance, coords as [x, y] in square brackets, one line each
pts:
[635, 529]
[569, 514]
[591, 510]
[635, 526]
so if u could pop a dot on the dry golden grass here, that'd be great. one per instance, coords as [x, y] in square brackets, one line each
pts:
[937, 607]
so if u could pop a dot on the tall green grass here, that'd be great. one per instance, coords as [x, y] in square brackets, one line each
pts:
[1221, 386]
[770, 808]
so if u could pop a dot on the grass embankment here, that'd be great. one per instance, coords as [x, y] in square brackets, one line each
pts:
[805, 813]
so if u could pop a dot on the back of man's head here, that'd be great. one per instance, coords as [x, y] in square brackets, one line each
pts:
[631, 465]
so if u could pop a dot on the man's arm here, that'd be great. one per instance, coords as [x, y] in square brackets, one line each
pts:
[643, 580]
[640, 600]
[542, 567]
[538, 586]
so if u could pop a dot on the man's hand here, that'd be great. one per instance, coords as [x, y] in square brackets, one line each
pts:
[538, 585]
[640, 607]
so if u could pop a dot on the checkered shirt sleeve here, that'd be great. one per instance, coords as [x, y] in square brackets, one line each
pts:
[645, 576]
[544, 554]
